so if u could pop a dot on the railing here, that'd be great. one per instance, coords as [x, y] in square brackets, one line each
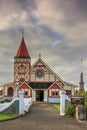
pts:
[27, 104]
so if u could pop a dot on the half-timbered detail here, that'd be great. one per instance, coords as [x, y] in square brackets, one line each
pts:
[54, 92]
[22, 63]
[38, 81]
[27, 90]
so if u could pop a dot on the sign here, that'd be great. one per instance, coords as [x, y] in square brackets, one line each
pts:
[77, 100]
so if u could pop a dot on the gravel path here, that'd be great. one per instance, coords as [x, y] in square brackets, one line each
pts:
[43, 117]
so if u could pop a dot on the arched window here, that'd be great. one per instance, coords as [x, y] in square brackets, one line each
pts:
[10, 91]
[22, 69]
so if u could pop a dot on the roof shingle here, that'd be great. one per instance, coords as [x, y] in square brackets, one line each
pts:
[22, 51]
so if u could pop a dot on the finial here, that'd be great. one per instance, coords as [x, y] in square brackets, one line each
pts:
[39, 55]
[81, 64]
[22, 31]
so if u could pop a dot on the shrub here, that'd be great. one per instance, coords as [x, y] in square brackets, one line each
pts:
[84, 94]
[7, 100]
[70, 110]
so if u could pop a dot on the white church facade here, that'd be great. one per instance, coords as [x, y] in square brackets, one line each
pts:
[38, 81]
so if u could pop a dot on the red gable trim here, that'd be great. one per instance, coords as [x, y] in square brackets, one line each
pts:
[55, 86]
[22, 51]
[47, 67]
[24, 85]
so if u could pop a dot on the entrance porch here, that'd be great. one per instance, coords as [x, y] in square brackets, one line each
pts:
[39, 95]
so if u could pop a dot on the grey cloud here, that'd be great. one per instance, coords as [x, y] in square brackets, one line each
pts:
[41, 38]
[8, 7]
[69, 54]
[74, 10]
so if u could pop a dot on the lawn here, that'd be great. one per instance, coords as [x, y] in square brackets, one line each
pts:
[7, 116]
[57, 105]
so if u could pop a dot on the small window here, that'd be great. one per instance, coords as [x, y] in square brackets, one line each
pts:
[22, 80]
[26, 93]
[10, 91]
[55, 93]
[39, 73]
[22, 69]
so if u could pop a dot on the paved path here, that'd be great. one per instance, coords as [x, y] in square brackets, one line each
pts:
[43, 117]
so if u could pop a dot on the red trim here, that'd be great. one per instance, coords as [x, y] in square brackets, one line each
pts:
[16, 80]
[41, 81]
[39, 65]
[55, 85]
[21, 73]
[8, 96]
[24, 86]
[27, 96]
[54, 97]
[22, 51]
[68, 92]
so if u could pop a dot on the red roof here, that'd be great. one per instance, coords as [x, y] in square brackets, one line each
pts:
[22, 51]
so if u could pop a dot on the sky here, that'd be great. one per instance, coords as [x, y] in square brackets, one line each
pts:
[56, 29]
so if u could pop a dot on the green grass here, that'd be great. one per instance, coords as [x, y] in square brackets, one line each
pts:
[7, 116]
[57, 105]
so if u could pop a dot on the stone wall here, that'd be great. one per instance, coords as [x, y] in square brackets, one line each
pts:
[12, 109]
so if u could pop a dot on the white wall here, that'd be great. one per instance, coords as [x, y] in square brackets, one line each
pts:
[33, 95]
[45, 95]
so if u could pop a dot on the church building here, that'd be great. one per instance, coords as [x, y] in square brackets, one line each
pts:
[38, 81]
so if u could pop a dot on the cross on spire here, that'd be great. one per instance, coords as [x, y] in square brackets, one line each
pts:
[39, 55]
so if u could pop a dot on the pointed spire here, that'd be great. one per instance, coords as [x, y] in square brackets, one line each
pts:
[81, 84]
[81, 65]
[22, 51]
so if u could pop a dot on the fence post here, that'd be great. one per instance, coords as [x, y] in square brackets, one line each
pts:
[62, 102]
[21, 102]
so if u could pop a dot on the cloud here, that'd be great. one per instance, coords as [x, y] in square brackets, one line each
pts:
[15, 13]
[57, 30]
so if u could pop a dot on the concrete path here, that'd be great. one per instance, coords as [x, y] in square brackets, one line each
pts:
[43, 117]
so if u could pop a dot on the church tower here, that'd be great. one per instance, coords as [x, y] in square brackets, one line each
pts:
[22, 64]
[81, 84]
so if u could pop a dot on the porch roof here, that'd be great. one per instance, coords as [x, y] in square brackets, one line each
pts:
[38, 85]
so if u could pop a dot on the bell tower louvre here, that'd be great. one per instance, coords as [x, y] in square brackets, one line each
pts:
[22, 63]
